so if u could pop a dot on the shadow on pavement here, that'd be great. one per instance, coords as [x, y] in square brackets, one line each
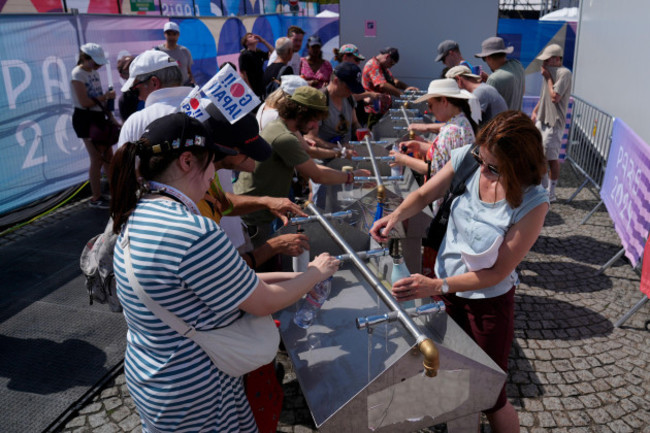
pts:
[42, 366]
[566, 277]
[543, 318]
[579, 248]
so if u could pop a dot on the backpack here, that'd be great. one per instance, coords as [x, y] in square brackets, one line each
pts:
[96, 263]
[274, 84]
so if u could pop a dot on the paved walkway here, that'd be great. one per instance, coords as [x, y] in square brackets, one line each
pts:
[570, 369]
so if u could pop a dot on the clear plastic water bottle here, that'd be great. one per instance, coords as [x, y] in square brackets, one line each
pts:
[312, 303]
[347, 189]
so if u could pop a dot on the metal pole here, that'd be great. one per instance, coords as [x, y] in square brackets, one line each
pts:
[374, 163]
[406, 118]
[368, 275]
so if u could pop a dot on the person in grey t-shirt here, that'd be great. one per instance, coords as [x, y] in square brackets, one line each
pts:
[492, 103]
[178, 52]
[507, 76]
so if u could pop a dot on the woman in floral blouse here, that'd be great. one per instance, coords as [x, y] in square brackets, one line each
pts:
[448, 104]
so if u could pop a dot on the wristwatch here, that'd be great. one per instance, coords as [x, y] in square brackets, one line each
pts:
[445, 286]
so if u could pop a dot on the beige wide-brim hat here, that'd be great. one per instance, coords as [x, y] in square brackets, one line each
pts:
[553, 50]
[461, 70]
[443, 87]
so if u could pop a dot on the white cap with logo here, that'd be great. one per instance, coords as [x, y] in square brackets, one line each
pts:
[171, 26]
[146, 63]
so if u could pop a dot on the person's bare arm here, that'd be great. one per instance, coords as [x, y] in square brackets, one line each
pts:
[280, 207]
[82, 95]
[269, 298]
[325, 175]
[518, 241]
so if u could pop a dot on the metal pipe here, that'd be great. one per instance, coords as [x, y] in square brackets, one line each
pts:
[400, 110]
[365, 254]
[406, 117]
[371, 178]
[368, 158]
[370, 277]
[308, 219]
[369, 321]
[381, 190]
[359, 143]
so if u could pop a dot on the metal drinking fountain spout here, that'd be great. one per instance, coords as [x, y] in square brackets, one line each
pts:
[425, 344]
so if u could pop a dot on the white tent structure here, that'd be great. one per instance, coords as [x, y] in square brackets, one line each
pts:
[565, 14]
[327, 14]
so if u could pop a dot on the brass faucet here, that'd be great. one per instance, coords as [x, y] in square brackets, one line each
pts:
[431, 357]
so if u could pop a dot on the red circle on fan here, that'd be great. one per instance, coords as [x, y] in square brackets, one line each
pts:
[194, 103]
[237, 90]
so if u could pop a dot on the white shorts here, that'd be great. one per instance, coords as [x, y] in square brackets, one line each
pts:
[551, 140]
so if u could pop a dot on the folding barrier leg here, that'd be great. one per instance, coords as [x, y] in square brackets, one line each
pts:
[591, 213]
[611, 261]
[631, 312]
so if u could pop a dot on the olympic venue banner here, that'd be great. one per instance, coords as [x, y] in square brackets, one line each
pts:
[41, 153]
[202, 8]
[626, 189]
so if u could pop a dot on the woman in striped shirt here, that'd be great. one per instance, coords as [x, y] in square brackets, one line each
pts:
[186, 263]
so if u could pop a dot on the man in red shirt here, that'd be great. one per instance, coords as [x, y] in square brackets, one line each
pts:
[377, 77]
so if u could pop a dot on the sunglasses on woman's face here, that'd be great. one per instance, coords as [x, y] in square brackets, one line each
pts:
[492, 168]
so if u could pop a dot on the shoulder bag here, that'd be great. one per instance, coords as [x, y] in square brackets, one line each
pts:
[239, 348]
[104, 132]
[438, 226]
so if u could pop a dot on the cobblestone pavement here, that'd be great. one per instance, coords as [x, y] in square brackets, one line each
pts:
[570, 369]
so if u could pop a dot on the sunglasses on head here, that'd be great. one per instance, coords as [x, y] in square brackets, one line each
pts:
[492, 168]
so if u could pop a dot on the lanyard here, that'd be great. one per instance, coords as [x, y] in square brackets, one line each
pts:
[161, 188]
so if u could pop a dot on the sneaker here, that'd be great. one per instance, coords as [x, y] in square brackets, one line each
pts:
[99, 204]
[552, 198]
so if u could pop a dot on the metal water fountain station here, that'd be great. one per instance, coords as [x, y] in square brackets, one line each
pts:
[367, 364]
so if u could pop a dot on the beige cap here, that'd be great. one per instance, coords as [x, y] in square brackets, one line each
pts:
[553, 50]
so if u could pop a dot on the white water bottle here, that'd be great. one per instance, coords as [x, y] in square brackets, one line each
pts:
[400, 270]
[396, 170]
[312, 303]
[301, 261]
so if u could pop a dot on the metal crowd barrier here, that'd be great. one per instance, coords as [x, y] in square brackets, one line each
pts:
[590, 138]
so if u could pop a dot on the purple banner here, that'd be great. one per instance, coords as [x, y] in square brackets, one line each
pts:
[626, 189]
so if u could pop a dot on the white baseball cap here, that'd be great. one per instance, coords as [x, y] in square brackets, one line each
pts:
[289, 83]
[146, 63]
[95, 51]
[171, 26]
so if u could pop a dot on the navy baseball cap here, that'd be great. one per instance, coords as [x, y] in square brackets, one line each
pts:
[350, 74]
[180, 131]
[244, 134]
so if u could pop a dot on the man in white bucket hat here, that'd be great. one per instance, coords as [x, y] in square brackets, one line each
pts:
[549, 114]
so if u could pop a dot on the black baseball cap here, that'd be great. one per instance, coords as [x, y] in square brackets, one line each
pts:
[392, 52]
[350, 74]
[180, 131]
[244, 134]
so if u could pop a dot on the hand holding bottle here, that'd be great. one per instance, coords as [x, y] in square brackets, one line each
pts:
[325, 264]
